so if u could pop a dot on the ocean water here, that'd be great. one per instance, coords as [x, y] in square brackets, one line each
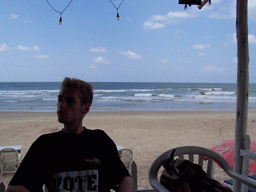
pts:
[111, 96]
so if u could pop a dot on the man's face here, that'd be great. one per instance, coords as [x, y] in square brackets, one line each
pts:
[69, 108]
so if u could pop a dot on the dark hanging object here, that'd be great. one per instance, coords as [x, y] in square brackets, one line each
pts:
[190, 2]
[60, 21]
[117, 16]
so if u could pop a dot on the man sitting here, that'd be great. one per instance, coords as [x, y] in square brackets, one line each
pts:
[75, 158]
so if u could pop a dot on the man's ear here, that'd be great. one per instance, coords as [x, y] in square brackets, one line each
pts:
[86, 108]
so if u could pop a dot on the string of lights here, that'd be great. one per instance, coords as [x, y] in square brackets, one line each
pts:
[117, 16]
[60, 21]
[186, 2]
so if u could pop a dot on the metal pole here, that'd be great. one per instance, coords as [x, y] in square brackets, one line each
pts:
[242, 86]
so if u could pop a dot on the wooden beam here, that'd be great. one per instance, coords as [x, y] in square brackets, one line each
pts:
[242, 86]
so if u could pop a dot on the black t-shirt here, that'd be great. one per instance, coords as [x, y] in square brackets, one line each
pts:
[88, 161]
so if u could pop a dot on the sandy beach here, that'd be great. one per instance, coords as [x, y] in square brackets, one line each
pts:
[148, 134]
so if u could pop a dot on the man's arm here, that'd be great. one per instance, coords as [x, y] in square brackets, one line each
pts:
[126, 185]
[17, 188]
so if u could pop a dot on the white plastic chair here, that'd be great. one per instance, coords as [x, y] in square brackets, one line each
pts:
[126, 157]
[202, 153]
[9, 160]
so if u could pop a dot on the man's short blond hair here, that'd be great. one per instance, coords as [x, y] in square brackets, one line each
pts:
[85, 89]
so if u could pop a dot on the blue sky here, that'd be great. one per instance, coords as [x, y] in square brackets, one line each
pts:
[154, 41]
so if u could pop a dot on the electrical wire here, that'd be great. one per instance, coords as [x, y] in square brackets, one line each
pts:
[60, 21]
[117, 16]
[59, 11]
[119, 4]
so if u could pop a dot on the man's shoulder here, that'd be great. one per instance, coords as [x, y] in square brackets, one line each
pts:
[49, 135]
[97, 132]
[91, 133]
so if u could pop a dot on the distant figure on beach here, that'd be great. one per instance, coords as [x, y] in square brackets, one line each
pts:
[75, 158]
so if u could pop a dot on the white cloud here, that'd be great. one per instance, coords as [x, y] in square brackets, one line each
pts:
[201, 46]
[14, 16]
[158, 18]
[178, 31]
[153, 25]
[234, 60]
[99, 49]
[213, 69]
[180, 15]
[251, 10]
[35, 48]
[225, 11]
[42, 56]
[201, 54]
[27, 48]
[173, 15]
[25, 21]
[131, 55]
[234, 37]
[100, 59]
[93, 67]
[165, 61]
[4, 47]
[251, 38]
[251, 4]
[159, 21]
[23, 48]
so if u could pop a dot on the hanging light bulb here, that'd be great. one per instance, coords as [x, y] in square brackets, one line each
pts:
[185, 6]
[60, 21]
[210, 2]
[117, 15]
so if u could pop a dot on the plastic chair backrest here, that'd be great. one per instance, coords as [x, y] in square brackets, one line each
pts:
[191, 151]
[126, 157]
[9, 158]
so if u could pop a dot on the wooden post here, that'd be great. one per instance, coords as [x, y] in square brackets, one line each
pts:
[242, 86]
[246, 161]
